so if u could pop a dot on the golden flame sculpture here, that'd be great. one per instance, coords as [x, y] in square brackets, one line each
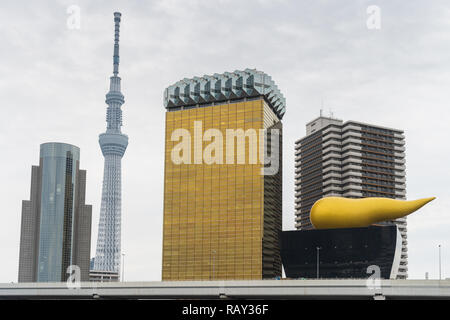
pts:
[337, 212]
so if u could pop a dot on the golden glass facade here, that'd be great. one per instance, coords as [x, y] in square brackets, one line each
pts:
[214, 217]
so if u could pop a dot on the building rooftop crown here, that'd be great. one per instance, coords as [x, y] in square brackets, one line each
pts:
[226, 86]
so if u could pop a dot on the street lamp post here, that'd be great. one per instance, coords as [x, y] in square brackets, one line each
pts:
[318, 261]
[213, 257]
[123, 266]
[439, 262]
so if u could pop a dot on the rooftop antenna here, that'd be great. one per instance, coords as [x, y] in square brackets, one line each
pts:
[321, 107]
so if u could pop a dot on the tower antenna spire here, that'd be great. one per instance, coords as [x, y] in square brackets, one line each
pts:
[117, 16]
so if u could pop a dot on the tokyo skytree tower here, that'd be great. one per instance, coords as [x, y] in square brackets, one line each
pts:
[113, 144]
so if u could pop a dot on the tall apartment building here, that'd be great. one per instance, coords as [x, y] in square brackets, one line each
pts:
[353, 160]
[56, 222]
[222, 216]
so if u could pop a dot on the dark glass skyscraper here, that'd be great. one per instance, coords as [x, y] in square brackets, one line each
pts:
[56, 222]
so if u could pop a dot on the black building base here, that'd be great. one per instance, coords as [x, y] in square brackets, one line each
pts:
[343, 253]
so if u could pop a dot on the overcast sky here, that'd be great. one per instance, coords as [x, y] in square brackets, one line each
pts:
[53, 82]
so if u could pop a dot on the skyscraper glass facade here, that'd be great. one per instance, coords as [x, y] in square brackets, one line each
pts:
[59, 165]
[56, 221]
[222, 180]
[218, 223]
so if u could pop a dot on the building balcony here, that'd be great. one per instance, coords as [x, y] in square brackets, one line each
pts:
[351, 139]
[331, 135]
[331, 142]
[331, 129]
[351, 127]
[352, 193]
[356, 135]
[331, 148]
[331, 162]
[332, 188]
[351, 180]
[332, 175]
[352, 153]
